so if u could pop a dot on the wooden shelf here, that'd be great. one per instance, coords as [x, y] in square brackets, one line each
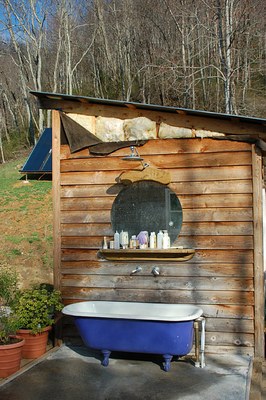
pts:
[172, 254]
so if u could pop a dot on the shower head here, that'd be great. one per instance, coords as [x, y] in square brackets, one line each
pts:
[134, 156]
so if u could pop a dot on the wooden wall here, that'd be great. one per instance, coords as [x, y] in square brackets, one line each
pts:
[213, 180]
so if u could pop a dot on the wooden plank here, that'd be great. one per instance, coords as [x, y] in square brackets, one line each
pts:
[194, 242]
[237, 312]
[229, 338]
[185, 269]
[201, 256]
[216, 310]
[235, 350]
[79, 204]
[142, 281]
[158, 161]
[223, 311]
[85, 217]
[174, 146]
[211, 187]
[216, 242]
[240, 214]
[128, 255]
[256, 386]
[188, 146]
[187, 201]
[209, 174]
[230, 126]
[189, 228]
[227, 188]
[258, 253]
[215, 200]
[177, 175]
[201, 297]
[217, 228]
[91, 191]
[229, 325]
[56, 126]
[218, 214]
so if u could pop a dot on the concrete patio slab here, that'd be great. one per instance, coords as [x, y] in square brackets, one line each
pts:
[76, 373]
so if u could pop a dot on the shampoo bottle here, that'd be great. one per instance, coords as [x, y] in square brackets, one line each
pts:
[160, 240]
[116, 240]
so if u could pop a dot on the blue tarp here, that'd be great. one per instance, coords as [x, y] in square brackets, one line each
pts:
[40, 159]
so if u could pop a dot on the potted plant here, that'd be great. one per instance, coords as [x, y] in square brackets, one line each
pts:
[35, 309]
[10, 344]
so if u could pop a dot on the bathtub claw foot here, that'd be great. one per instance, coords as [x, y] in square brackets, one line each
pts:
[167, 362]
[105, 361]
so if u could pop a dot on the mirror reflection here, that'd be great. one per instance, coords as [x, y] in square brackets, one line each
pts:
[147, 206]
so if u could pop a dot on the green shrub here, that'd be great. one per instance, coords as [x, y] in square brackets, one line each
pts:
[8, 286]
[35, 308]
[9, 322]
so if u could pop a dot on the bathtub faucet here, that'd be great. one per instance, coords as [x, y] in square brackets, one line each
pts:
[155, 271]
[135, 271]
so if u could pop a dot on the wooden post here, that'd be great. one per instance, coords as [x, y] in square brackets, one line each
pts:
[56, 196]
[258, 252]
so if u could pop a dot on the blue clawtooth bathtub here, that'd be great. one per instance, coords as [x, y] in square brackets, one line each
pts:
[155, 328]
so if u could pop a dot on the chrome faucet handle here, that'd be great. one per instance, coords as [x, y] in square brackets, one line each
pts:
[155, 271]
[136, 270]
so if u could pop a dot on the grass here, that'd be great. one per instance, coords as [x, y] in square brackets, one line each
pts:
[26, 224]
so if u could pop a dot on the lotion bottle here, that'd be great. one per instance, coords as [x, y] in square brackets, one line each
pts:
[152, 240]
[166, 241]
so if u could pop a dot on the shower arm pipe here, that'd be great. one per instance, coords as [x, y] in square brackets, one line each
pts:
[134, 156]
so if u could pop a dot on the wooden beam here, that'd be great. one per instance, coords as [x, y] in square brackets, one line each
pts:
[174, 118]
[56, 126]
[258, 252]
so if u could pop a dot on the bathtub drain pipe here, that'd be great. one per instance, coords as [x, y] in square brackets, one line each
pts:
[196, 329]
[202, 343]
[199, 342]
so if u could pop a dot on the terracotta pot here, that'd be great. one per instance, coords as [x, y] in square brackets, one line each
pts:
[10, 357]
[35, 345]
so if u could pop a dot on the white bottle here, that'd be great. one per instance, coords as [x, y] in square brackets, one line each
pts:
[166, 241]
[116, 240]
[105, 243]
[124, 239]
[152, 240]
[160, 240]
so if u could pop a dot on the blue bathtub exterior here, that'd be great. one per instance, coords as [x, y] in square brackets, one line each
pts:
[141, 336]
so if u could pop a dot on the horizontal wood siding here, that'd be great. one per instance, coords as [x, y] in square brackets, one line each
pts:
[213, 180]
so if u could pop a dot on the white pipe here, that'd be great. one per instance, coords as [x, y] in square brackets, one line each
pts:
[202, 343]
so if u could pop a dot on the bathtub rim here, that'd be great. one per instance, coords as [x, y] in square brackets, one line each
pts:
[192, 311]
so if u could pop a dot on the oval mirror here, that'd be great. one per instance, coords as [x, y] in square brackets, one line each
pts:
[147, 206]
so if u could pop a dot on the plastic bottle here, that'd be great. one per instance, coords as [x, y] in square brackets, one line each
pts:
[160, 240]
[116, 240]
[133, 242]
[152, 240]
[166, 240]
[105, 243]
[124, 239]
